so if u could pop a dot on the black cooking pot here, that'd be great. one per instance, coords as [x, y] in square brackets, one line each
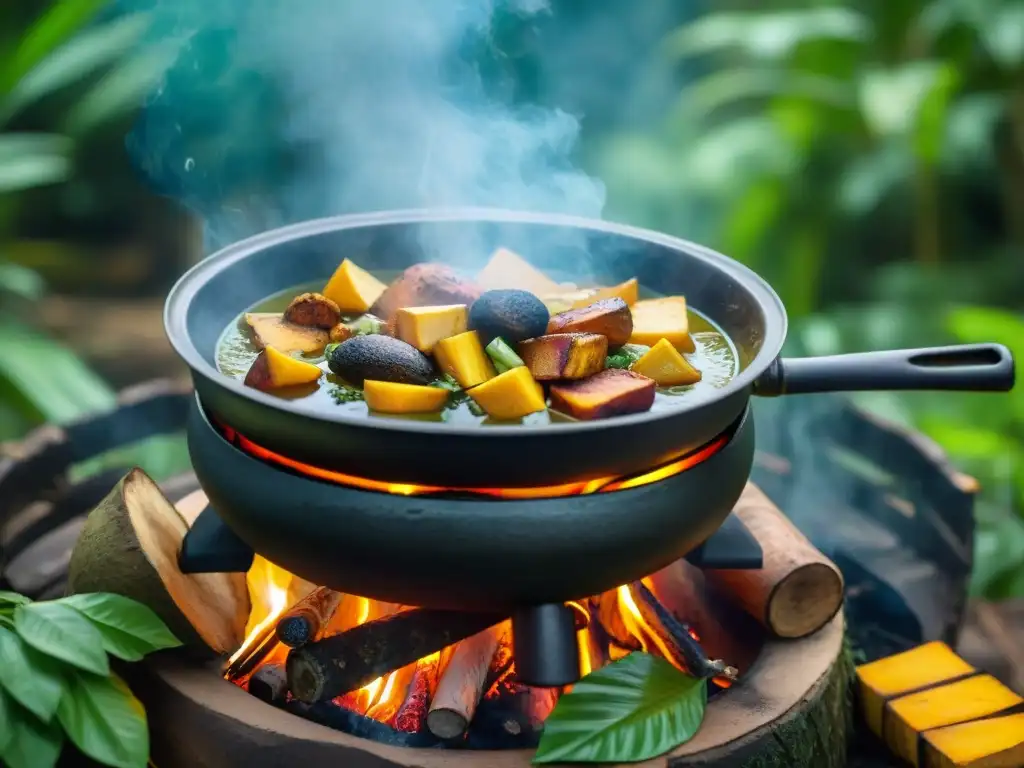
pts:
[213, 293]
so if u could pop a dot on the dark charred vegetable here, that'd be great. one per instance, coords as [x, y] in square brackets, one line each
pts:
[609, 393]
[423, 285]
[626, 355]
[609, 317]
[564, 355]
[380, 358]
[512, 314]
[502, 355]
[314, 310]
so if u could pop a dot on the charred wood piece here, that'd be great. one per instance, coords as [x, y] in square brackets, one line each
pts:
[264, 643]
[412, 714]
[270, 684]
[345, 720]
[306, 621]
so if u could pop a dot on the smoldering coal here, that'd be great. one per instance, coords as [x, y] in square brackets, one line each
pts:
[280, 112]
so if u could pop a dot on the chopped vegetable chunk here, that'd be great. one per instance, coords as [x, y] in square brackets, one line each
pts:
[509, 313]
[564, 355]
[506, 269]
[657, 319]
[313, 309]
[510, 395]
[503, 356]
[353, 289]
[270, 329]
[609, 317]
[423, 327]
[389, 397]
[425, 285]
[666, 366]
[273, 370]
[628, 291]
[464, 359]
[611, 392]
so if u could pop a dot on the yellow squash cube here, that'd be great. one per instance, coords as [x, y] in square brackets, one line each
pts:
[352, 288]
[464, 359]
[996, 742]
[510, 395]
[423, 327]
[657, 319]
[666, 366]
[389, 397]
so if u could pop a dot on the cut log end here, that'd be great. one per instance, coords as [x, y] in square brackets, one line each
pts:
[804, 600]
[129, 546]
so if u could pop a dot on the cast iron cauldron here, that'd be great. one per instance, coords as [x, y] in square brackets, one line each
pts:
[213, 293]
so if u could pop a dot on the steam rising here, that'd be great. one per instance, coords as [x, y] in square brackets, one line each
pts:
[385, 99]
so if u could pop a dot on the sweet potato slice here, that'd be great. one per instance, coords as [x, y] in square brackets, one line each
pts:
[507, 269]
[274, 370]
[610, 318]
[612, 392]
[270, 329]
[314, 310]
[564, 355]
[423, 285]
[628, 291]
[665, 366]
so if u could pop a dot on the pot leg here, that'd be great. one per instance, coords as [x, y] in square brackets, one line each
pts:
[211, 547]
[544, 646]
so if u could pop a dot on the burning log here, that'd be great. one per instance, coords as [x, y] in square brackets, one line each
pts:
[462, 684]
[609, 616]
[412, 714]
[336, 665]
[307, 620]
[530, 707]
[798, 590]
[129, 546]
[269, 683]
[685, 650]
[260, 647]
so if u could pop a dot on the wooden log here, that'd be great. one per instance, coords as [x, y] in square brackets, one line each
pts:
[269, 683]
[462, 684]
[529, 708]
[797, 590]
[129, 545]
[412, 714]
[605, 608]
[307, 619]
[336, 665]
[676, 642]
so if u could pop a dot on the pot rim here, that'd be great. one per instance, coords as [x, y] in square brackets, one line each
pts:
[179, 299]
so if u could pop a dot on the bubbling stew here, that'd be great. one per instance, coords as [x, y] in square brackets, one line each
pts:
[511, 345]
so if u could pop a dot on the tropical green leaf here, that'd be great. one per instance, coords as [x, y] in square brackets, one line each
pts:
[12, 598]
[60, 21]
[33, 680]
[1003, 35]
[105, 721]
[30, 160]
[33, 743]
[21, 281]
[123, 89]
[634, 709]
[868, 178]
[161, 456]
[62, 633]
[50, 376]
[86, 53]
[766, 34]
[891, 98]
[6, 721]
[727, 87]
[130, 629]
[970, 126]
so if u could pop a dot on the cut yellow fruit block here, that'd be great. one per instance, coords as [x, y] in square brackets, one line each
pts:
[389, 397]
[903, 673]
[463, 358]
[657, 319]
[666, 366]
[907, 717]
[270, 329]
[996, 742]
[423, 327]
[507, 269]
[352, 288]
[510, 395]
[273, 370]
[628, 291]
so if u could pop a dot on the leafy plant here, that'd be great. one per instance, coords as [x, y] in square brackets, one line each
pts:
[108, 70]
[57, 682]
[634, 709]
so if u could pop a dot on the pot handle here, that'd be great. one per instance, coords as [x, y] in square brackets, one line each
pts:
[969, 367]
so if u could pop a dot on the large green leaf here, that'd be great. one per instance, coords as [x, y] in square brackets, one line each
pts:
[728, 87]
[12, 598]
[30, 160]
[21, 281]
[60, 21]
[48, 375]
[634, 709]
[62, 633]
[766, 34]
[892, 98]
[161, 456]
[6, 721]
[88, 52]
[33, 680]
[33, 743]
[105, 721]
[130, 629]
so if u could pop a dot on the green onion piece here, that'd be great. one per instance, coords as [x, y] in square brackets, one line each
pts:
[503, 356]
[330, 348]
[625, 356]
[366, 325]
[475, 408]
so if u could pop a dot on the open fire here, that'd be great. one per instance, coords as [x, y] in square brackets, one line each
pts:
[445, 694]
